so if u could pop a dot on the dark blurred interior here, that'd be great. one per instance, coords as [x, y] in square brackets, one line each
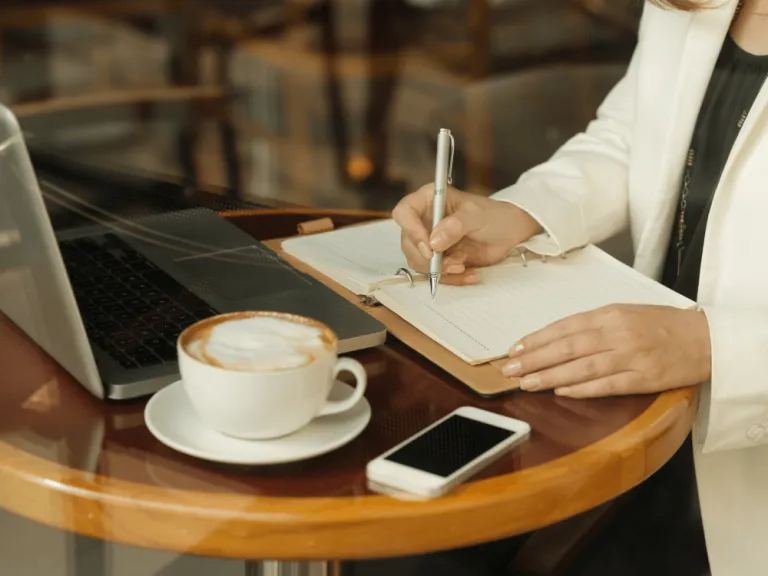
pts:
[325, 103]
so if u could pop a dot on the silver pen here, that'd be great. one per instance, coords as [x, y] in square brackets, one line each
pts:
[443, 169]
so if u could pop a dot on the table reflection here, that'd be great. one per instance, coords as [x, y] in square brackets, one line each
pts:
[46, 414]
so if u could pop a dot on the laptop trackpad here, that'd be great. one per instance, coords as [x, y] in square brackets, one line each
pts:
[241, 274]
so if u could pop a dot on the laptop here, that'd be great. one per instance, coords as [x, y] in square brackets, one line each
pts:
[108, 299]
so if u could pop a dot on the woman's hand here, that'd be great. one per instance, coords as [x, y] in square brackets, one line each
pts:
[476, 232]
[621, 349]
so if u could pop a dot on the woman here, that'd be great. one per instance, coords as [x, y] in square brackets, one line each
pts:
[678, 148]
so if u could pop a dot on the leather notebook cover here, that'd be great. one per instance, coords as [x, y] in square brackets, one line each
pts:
[485, 379]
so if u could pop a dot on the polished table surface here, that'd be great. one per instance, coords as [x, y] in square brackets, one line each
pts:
[73, 462]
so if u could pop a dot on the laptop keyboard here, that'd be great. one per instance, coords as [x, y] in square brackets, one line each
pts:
[132, 310]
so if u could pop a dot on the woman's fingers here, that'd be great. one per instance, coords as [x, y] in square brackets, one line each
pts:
[577, 371]
[411, 213]
[554, 353]
[614, 385]
[453, 262]
[467, 278]
[455, 272]
[468, 218]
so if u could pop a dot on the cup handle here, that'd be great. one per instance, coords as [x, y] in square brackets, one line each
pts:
[346, 365]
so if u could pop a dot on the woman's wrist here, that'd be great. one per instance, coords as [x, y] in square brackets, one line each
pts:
[701, 345]
[517, 224]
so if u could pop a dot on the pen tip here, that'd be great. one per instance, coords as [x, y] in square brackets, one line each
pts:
[433, 281]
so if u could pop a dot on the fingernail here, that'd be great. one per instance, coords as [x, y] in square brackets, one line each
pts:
[563, 391]
[517, 348]
[511, 369]
[530, 383]
[455, 269]
[437, 241]
[425, 251]
[472, 276]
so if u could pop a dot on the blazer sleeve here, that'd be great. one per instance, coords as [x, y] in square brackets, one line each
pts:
[580, 195]
[733, 405]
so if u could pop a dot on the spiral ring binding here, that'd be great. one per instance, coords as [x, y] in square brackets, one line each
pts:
[521, 250]
[407, 273]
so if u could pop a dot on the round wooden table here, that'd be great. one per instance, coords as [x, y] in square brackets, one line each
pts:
[73, 462]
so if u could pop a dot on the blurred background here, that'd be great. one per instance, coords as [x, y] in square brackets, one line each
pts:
[323, 103]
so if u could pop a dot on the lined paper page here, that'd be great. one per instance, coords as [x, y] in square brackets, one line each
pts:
[357, 257]
[480, 323]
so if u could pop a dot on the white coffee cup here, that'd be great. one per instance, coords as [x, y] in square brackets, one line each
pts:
[255, 401]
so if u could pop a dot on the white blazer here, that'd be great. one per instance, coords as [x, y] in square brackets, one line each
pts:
[625, 170]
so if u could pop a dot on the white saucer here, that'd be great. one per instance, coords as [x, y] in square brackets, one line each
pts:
[172, 420]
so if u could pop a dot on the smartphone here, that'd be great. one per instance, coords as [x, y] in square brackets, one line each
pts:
[440, 457]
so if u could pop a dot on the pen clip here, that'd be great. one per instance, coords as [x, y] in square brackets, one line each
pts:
[450, 163]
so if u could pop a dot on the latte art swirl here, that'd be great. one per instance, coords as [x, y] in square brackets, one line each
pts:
[258, 344]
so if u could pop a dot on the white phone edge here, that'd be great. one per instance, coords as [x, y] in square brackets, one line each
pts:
[389, 477]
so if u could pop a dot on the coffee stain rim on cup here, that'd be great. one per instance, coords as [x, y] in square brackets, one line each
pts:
[328, 336]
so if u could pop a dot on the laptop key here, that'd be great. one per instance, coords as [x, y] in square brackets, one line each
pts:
[163, 327]
[137, 349]
[153, 317]
[151, 293]
[111, 264]
[99, 340]
[153, 342]
[171, 336]
[130, 278]
[123, 360]
[93, 292]
[102, 256]
[107, 327]
[134, 324]
[147, 360]
[123, 315]
[182, 319]
[123, 339]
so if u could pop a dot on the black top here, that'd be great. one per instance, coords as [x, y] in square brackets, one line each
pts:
[736, 81]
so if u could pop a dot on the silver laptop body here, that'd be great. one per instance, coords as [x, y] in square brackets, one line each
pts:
[107, 300]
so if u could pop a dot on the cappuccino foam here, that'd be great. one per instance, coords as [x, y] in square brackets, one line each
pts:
[259, 343]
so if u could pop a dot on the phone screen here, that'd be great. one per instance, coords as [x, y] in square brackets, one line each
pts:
[450, 445]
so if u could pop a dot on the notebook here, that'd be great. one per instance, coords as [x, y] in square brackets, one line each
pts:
[477, 323]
